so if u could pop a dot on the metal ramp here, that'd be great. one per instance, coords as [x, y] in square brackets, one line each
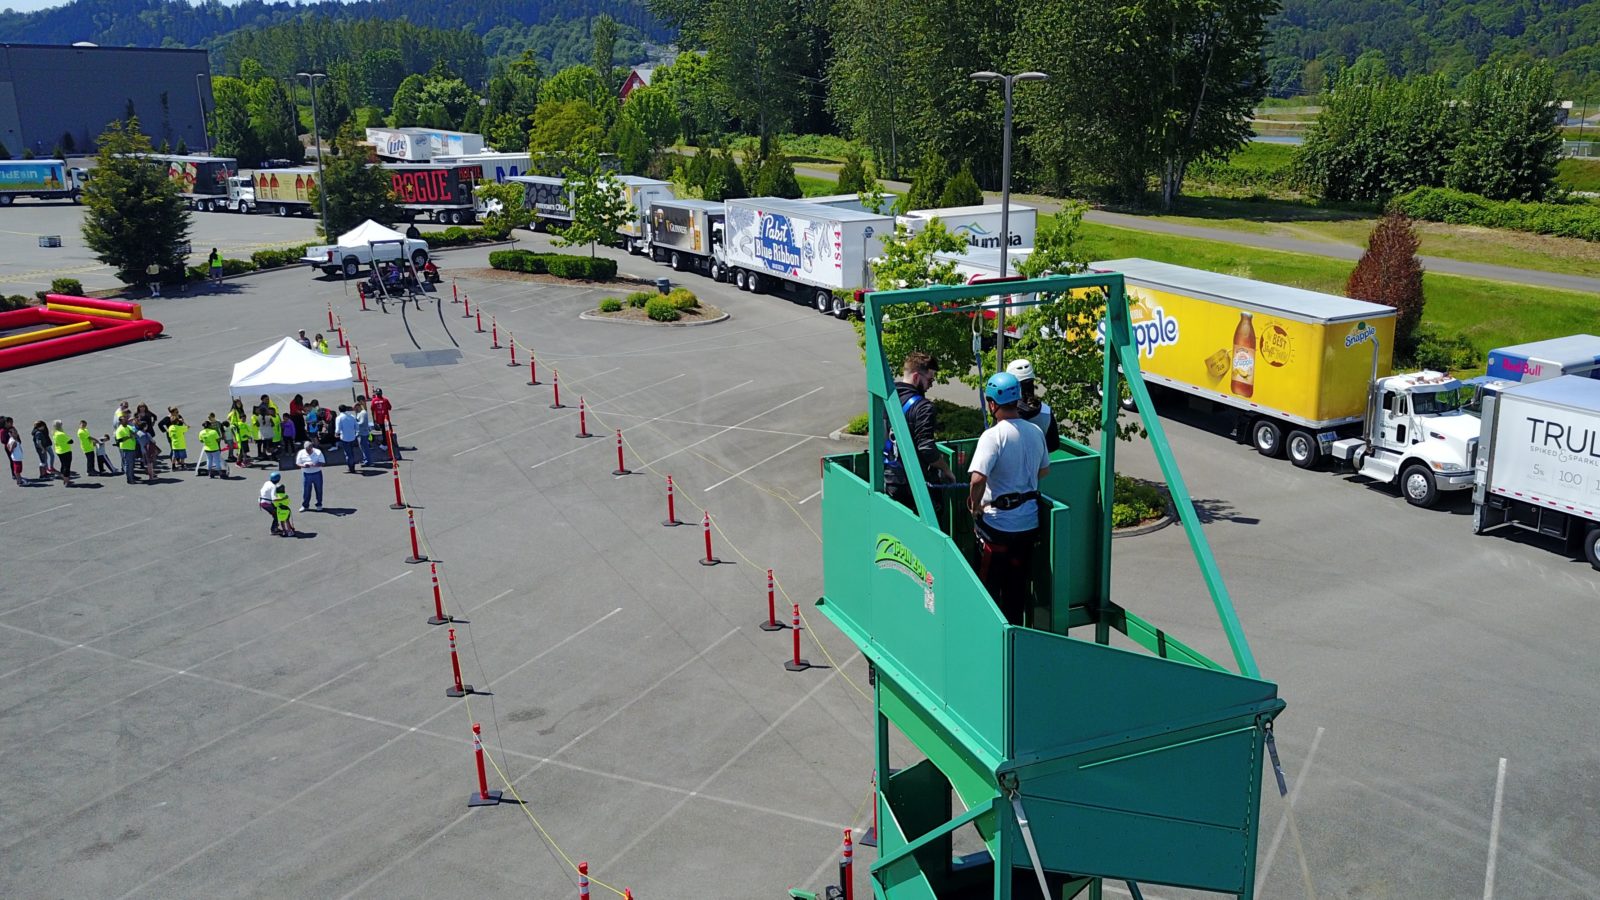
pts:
[1137, 765]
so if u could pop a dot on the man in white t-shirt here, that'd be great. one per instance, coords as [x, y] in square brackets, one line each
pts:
[1004, 497]
[266, 497]
[310, 460]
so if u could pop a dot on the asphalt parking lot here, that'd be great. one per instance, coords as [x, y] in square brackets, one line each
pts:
[26, 267]
[195, 708]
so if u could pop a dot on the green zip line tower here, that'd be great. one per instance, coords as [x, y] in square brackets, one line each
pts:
[1074, 760]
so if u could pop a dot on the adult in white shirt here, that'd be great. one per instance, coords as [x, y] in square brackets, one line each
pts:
[310, 460]
[1004, 497]
[269, 494]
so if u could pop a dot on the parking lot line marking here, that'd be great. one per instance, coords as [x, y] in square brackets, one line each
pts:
[479, 412]
[717, 773]
[1283, 822]
[32, 514]
[59, 547]
[539, 765]
[727, 428]
[1494, 829]
[78, 588]
[641, 424]
[561, 418]
[753, 465]
[810, 498]
[606, 412]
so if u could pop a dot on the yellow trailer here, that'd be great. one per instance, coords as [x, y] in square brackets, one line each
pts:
[1300, 356]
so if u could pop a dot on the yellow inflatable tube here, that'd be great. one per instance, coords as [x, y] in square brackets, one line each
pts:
[86, 311]
[29, 337]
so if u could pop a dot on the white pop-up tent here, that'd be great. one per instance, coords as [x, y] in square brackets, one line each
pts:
[289, 368]
[390, 244]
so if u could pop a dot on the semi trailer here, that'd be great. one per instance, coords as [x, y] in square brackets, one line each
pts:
[639, 193]
[820, 254]
[41, 179]
[685, 234]
[202, 180]
[443, 193]
[1308, 375]
[547, 197]
[979, 226]
[1538, 463]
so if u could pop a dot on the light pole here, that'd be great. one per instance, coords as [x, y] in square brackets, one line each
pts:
[1006, 82]
[205, 129]
[316, 137]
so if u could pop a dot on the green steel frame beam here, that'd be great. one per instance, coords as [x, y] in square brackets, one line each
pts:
[1121, 361]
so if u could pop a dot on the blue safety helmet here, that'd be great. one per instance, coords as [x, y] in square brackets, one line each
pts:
[1003, 388]
[274, 477]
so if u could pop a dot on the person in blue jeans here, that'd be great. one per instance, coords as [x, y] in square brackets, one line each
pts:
[310, 461]
[364, 431]
[347, 431]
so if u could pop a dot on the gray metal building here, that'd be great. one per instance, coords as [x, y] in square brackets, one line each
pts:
[49, 92]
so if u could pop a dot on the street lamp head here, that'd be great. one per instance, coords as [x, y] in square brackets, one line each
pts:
[1031, 76]
[986, 76]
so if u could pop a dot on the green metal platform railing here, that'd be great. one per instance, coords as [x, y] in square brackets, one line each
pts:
[1137, 764]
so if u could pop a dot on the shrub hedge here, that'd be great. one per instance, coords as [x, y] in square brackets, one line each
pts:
[272, 259]
[1575, 220]
[610, 305]
[560, 265]
[683, 298]
[638, 299]
[661, 310]
[456, 236]
[1134, 502]
[15, 301]
[229, 267]
[70, 286]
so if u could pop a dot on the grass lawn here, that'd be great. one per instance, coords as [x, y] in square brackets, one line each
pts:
[1351, 225]
[1577, 174]
[1488, 313]
[811, 186]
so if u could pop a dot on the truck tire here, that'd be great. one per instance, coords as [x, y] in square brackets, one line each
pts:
[283, 210]
[1418, 487]
[737, 276]
[824, 301]
[6, 199]
[675, 262]
[77, 197]
[1591, 546]
[718, 274]
[841, 309]
[351, 267]
[1267, 438]
[754, 281]
[419, 258]
[1301, 445]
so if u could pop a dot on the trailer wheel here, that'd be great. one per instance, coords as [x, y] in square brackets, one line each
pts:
[351, 267]
[1267, 438]
[1591, 546]
[1302, 449]
[824, 300]
[6, 199]
[754, 281]
[283, 211]
[841, 310]
[675, 262]
[1418, 487]
[77, 198]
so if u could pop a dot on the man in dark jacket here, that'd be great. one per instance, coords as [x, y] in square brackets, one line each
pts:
[917, 375]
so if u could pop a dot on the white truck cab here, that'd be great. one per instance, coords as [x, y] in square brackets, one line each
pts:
[1417, 435]
[241, 194]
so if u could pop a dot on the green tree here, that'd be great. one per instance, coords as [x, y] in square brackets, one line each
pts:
[563, 126]
[927, 184]
[135, 217]
[1390, 273]
[1060, 336]
[444, 103]
[407, 100]
[774, 177]
[689, 85]
[382, 70]
[724, 181]
[961, 190]
[853, 174]
[506, 199]
[579, 82]
[355, 191]
[908, 261]
[274, 120]
[651, 110]
[334, 108]
[603, 57]
[1140, 93]
[633, 149]
[599, 207]
[231, 131]
[1378, 136]
[1509, 145]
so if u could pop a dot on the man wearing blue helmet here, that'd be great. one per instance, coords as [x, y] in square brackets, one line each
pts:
[1004, 497]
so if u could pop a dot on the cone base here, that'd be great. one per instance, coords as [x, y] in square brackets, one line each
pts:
[583, 434]
[558, 406]
[453, 693]
[397, 506]
[800, 666]
[621, 472]
[479, 799]
[769, 625]
[711, 561]
[435, 620]
[672, 523]
[535, 383]
[413, 560]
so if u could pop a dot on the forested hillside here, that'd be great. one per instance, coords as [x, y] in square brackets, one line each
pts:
[546, 26]
[1309, 37]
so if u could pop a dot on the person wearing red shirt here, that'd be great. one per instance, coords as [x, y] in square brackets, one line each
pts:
[379, 407]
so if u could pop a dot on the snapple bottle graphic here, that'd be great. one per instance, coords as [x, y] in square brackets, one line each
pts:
[299, 187]
[1244, 356]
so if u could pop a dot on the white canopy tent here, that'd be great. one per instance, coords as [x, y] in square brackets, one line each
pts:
[288, 368]
[385, 242]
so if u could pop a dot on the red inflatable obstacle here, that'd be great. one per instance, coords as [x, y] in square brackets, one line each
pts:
[68, 325]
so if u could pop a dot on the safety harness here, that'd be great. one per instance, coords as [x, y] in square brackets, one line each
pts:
[891, 453]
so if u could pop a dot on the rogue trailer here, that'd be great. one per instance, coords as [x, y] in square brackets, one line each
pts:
[821, 254]
[1538, 462]
[443, 192]
[685, 234]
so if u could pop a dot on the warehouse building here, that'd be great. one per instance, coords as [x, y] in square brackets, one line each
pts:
[65, 96]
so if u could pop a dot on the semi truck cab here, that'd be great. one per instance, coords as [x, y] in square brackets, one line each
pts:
[1417, 435]
[241, 194]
